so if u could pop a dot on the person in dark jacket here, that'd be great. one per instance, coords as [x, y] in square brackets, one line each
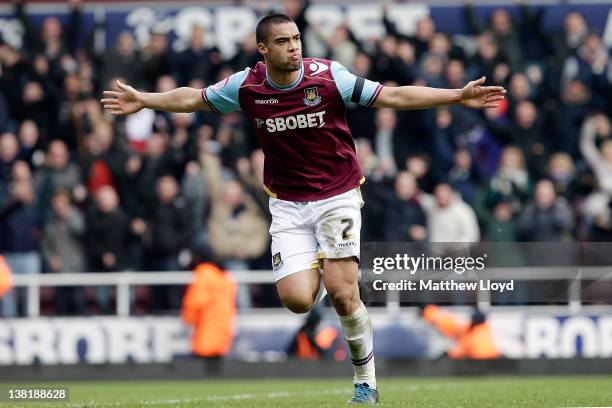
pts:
[109, 234]
[404, 217]
[526, 132]
[52, 39]
[169, 233]
[547, 218]
[20, 231]
[198, 61]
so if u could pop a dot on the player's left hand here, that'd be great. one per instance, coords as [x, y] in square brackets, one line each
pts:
[476, 96]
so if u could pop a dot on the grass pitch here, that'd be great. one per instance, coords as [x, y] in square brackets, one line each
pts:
[468, 392]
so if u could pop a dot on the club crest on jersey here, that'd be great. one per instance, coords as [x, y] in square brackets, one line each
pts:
[277, 261]
[311, 96]
[259, 122]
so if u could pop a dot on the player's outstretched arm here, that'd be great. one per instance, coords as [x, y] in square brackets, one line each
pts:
[128, 100]
[473, 95]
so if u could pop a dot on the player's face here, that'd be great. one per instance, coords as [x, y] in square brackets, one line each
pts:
[283, 48]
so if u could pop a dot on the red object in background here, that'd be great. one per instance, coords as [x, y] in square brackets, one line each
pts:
[502, 109]
[6, 277]
[473, 341]
[209, 305]
[139, 146]
[99, 176]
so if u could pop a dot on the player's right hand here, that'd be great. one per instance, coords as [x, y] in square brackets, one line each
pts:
[123, 102]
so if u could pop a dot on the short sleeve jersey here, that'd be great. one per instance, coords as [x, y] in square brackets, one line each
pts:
[309, 150]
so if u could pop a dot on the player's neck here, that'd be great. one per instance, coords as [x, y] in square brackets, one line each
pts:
[282, 78]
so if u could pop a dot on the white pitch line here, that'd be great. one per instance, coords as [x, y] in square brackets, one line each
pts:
[276, 394]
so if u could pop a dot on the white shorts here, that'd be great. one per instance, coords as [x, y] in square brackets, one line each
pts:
[303, 233]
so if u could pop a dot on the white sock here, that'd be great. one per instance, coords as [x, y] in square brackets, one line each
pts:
[357, 329]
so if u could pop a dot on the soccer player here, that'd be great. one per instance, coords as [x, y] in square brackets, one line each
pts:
[297, 107]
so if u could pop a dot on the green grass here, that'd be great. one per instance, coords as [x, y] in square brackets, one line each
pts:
[468, 392]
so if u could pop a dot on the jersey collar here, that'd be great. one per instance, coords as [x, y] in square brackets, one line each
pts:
[291, 85]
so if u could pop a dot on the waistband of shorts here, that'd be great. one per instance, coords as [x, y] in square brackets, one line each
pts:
[337, 192]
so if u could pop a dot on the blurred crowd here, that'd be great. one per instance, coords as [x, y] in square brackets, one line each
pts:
[83, 191]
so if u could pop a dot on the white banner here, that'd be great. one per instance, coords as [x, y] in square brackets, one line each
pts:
[161, 339]
[92, 340]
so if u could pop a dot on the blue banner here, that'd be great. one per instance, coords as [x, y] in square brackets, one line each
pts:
[227, 26]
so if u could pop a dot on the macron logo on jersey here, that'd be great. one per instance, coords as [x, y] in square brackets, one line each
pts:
[270, 101]
[310, 120]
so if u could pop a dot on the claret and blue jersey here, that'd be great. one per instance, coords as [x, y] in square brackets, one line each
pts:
[309, 149]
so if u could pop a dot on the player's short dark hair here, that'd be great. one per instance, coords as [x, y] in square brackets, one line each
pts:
[263, 27]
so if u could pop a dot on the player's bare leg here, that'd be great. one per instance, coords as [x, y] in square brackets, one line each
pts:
[341, 282]
[299, 291]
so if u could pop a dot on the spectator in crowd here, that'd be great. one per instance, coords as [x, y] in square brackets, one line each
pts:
[573, 107]
[20, 233]
[155, 58]
[451, 130]
[361, 119]
[405, 219]
[237, 228]
[59, 172]
[236, 225]
[386, 126]
[14, 74]
[122, 61]
[247, 56]
[449, 218]
[376, 194]
[341, 46]
[251, 172]
[487, 56]
[526, 133]
[168, 234]
[161, 157]
[109, 232]
[597, 130]
[425, 31]
[566, 41]
[29, 141]
[63, 251]
[520, 89]
[420, 166]
[504, 31]
[474, 340]
[500, 222]
[103, 159]
[464, 176]
[546, 218]
[42, 96]
[199, 60]
[195, 191]
[511, 180]
[562, 172]
[209, 305]
[51, 40]
[9, 150]
[20, 172]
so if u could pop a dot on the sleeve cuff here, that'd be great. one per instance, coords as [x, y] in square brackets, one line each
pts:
[207, 101]
[375, 96]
